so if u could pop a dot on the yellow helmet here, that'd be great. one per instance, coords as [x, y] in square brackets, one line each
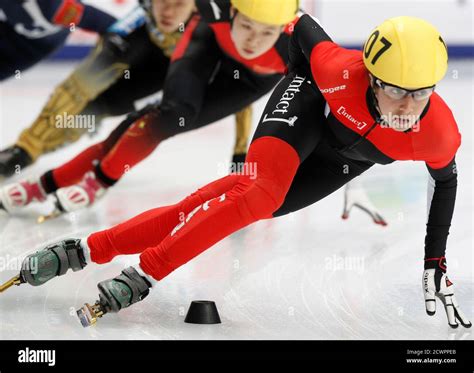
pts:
[407, 52]
[272, 12]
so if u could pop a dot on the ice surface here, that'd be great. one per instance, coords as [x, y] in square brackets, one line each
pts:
[309, 275]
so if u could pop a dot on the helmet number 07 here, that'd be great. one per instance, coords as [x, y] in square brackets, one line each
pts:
[370, 45]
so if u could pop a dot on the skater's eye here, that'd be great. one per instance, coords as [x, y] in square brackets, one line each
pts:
[397, 92]
[423, 94]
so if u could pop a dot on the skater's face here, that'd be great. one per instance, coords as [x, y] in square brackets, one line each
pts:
[252, 38]
[400, 114]
[169, 15]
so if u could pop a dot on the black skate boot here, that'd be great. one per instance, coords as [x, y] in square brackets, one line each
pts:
[114, 294]
[12, 159]
[54, 260]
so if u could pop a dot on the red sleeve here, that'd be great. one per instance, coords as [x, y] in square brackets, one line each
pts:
[446, 148]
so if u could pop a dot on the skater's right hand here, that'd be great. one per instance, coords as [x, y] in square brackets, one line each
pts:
[437, 285]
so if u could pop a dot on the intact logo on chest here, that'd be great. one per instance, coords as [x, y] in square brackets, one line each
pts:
[344, 114]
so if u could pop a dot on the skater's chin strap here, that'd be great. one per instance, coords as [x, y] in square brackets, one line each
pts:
[373, 104]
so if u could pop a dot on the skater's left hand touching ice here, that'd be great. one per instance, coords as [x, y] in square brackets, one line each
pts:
[356, 196]
[437, 285]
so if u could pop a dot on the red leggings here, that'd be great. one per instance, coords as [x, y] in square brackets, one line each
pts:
[73, 171]
[131, 142]
[168, 237]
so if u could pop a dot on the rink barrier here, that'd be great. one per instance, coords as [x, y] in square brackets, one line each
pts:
[75, 52]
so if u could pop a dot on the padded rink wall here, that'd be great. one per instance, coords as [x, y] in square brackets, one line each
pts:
[347, 21]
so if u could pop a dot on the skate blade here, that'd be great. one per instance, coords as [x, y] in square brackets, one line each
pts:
[14, 281]
[43, 218]
[88, 314]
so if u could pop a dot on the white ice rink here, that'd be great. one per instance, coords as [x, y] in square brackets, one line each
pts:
[309, 275]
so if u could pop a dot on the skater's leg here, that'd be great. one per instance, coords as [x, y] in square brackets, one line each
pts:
[190, 101]
[104, 67]
[149, 228]
[116, 100]
[248, 201]
[222, 207]
[322, 173]
[184, 89]
[73, 171]
[78, 170]
[222, 98]
[280, 144]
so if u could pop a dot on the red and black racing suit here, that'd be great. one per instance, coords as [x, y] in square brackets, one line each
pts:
[300, 156]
